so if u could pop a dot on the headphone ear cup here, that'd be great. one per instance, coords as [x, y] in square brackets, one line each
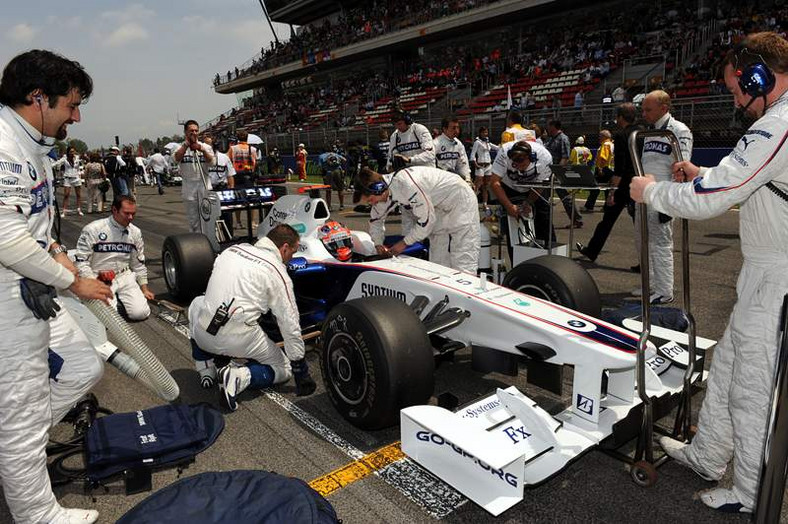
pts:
[757, 80]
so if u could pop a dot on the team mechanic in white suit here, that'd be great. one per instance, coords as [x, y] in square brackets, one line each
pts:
[732, 420]
[41, 93]
[249, 281]
[443, 204]
[658, 160]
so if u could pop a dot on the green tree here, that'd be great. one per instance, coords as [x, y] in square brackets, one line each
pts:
[79, 145]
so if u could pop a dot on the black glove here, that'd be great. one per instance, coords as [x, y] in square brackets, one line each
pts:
[39, 298]
[305, 384]
[663, 218]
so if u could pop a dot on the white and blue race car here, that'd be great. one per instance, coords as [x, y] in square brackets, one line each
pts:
[383, 322]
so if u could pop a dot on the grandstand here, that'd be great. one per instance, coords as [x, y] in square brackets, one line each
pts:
[350, 63]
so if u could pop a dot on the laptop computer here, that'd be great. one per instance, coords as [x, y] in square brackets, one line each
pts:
[574, 176]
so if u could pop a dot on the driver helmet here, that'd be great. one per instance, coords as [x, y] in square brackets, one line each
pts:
[337, 240]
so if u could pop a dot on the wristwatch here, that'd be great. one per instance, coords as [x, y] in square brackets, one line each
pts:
[59, 249]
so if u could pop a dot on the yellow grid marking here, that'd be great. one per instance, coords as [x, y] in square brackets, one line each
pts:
[357, 470]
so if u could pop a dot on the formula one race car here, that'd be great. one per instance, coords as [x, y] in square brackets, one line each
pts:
[383, 321]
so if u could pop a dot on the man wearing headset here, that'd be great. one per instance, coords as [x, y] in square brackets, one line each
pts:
[195, 158]
[517, 165]
[410, 143]
[732, 420]
[41, 93]
[443, 205]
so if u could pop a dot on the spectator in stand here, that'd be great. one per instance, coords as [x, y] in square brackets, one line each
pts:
[481, 160]
[558, 145]
[410, 144]
[658, 160]
[514, 131]
[619, 94]
[300, 161]
[95, 177]
[194, 158]
[158, 166]
[603, 167]
[450, 153]
[623, 171]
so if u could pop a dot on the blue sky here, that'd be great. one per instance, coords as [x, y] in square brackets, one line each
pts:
[151, 62]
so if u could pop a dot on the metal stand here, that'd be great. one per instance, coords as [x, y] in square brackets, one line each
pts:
[775, 452]
[644, 466]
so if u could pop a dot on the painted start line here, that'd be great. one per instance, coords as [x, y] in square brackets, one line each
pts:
[388, 463]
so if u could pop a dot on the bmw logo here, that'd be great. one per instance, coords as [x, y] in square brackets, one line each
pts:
[102, 236]
[32, 171]
[577, 324]
[307, 207]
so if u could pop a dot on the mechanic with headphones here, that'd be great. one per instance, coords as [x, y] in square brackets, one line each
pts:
[732, 420]
[443, 205]
[46, 365]
[410, 143]
[517, 165]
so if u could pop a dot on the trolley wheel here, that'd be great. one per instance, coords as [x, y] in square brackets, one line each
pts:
[644, 474]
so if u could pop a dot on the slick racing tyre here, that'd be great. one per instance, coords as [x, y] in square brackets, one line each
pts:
[187, 261]
[558, 279]
[376, 360]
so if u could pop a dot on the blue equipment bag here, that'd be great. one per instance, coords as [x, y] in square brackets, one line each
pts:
[243, 496]
[134, 444]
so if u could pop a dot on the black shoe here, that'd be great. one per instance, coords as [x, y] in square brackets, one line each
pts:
[635, 269]
[578, 224]
[583, 251]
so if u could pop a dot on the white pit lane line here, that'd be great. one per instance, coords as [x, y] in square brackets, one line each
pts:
[436, 497]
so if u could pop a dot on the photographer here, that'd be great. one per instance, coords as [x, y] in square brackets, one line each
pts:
[195, 158]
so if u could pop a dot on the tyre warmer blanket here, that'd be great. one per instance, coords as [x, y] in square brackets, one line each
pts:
[234, 496]
[149, 439]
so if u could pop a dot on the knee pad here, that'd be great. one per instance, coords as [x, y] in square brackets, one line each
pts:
[263, 375]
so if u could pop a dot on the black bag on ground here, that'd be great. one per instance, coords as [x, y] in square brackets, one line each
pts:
[243, 496]
[149, 439]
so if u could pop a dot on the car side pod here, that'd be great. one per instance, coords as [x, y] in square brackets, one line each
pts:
[493, 448]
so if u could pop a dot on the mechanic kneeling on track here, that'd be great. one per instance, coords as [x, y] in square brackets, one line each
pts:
[247, 282]
[112, 249]
[443, 204]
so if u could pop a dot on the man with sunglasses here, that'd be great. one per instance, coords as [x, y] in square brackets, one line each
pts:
[518, 165]
[732, 420]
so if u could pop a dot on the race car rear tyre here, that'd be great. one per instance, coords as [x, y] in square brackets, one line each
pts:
[376, 360]
[187, 261]
[558, 279]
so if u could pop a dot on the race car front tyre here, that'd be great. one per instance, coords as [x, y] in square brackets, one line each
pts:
[376, 360]
[187, 261]
[558, 279]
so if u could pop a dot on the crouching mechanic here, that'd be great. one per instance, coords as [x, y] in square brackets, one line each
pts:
[41, 93]
[247, 282]
[733, 418]
[112, 249]
[444, 207]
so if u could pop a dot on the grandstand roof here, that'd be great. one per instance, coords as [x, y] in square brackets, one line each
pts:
[301, 12]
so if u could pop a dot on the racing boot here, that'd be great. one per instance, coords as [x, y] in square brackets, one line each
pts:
[207, 371]
[678, 451]
[75, 516]
[234, 379]
[724, 500]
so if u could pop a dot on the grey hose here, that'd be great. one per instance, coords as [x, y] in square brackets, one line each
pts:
[153, 374]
